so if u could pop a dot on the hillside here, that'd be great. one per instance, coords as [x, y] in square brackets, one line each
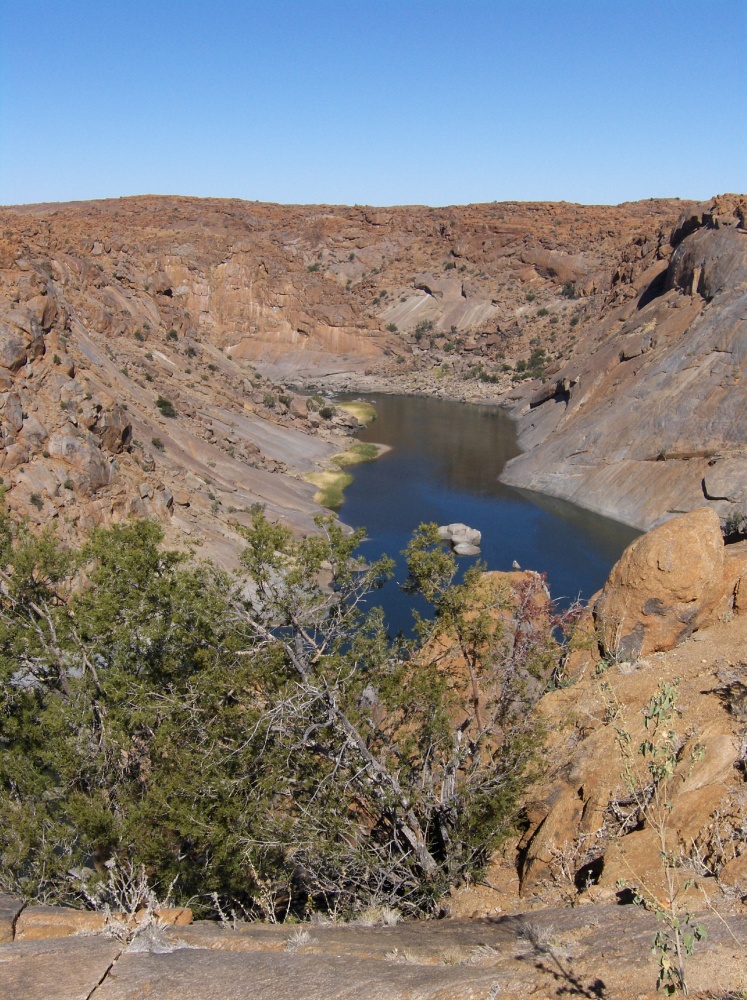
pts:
[562, 312]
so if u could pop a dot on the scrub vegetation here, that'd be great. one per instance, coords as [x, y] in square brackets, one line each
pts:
[257, 741]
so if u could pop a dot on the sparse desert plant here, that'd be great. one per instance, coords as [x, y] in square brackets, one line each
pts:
[424, 327]
[158, 444]
[297, 939]
[650, 772]
[124, 896]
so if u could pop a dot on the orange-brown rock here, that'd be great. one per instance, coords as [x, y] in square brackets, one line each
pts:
[36, 923]
[664, 587]
[116, 303]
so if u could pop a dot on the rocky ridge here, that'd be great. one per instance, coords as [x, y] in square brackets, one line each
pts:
[111, 306]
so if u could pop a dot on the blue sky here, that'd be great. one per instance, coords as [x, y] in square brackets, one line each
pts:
[378, 102]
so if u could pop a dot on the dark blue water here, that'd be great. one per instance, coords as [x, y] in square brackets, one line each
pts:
[444, 466]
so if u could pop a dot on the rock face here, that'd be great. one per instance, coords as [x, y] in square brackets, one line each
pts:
[646, 418]
[665, 586]
[512, 956]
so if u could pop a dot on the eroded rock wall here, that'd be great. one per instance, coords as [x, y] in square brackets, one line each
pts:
[648, 417]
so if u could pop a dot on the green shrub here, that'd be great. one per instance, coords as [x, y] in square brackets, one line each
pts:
[425, 326]
[165, 714]
[158, 444]
[166, 407]
[172, 335]
[36, 501]
[327, 411]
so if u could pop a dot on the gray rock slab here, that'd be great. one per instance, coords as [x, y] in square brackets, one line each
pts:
[60, 969]
[9, 910]
[466, 549]
[210, 975]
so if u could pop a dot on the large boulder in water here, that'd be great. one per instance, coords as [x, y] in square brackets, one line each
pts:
[464, 540]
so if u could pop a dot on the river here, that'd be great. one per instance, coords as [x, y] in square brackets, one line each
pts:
[443, 466]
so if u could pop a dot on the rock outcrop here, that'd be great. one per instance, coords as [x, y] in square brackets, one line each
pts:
[465, 541]
[670, 612]
[646, 418]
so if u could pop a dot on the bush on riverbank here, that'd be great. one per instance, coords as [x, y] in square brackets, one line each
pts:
[256, 737]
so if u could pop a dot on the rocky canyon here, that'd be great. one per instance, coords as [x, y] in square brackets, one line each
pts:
[152, 349]
[178, 359]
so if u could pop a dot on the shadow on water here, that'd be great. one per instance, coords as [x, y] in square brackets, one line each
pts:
[444, 466]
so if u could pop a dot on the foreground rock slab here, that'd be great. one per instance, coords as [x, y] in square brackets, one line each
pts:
[58, 969]
[595, 950]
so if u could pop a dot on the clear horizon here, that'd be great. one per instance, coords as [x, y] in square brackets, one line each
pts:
[394, 102]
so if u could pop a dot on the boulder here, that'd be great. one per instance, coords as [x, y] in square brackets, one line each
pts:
[34, 433]
[81, 454]
[41, 922]
[12, 348]
[15, 455]
[114, 430]
[460, 534]
[465, 549]
[663, 588]
[12, 410]
[734, 873]
[298, 407]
